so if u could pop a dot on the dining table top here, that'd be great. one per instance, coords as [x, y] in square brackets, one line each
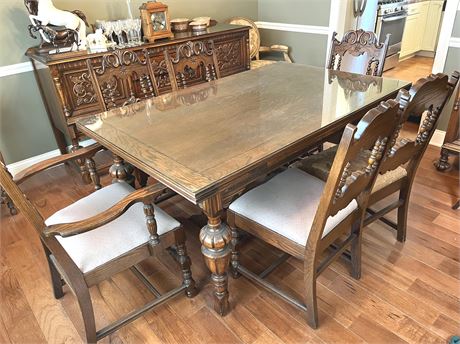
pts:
[197, 139]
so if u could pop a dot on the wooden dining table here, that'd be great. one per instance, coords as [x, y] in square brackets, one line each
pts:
[211, 142]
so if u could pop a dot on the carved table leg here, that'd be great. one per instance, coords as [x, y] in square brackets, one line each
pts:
[443, 163]
[121, 171]
[215, 238]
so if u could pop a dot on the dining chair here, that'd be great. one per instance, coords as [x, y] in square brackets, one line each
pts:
[426, 100]
[192, 63]
[109, 231]
[4, 198]
[122, 77]
[254, 44]
[303, 216]
[358, 52]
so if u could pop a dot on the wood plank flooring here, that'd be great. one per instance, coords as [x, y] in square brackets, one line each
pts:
[408, 293]
[411, 69]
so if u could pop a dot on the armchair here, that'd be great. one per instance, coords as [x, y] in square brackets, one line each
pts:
[256, 48]
[102, 234]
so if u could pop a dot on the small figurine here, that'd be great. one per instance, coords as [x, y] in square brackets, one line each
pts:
[97, 42]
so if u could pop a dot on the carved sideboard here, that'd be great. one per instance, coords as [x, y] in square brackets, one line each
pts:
[69, 93]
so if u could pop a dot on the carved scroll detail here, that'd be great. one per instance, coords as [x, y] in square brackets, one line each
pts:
[83, 89]
[228, 54]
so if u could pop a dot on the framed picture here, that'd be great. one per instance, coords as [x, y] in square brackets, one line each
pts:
[155, 21]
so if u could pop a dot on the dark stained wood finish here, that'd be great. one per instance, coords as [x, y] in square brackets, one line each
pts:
[192, 63]
[62, 268]
[451, 143]
[356, 50]
[407, 293]
[425, 100]
[249, 127]
[70, 92]
[345, 184]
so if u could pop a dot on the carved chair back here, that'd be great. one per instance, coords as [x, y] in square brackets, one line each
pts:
[192, 63]
[123, 77]
[426, 100]
[349, 180]
[358, 52]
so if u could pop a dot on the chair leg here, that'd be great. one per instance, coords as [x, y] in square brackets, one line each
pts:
[355, 252]
[235, 259]
[87, 313]
[402, 214]
[310, 298]
[185, 263]
[56, 280]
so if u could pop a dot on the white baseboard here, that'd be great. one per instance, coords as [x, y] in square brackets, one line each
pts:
[23, 164]
[438, 138]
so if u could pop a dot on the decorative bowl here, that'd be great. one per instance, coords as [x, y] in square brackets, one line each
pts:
[179, 24]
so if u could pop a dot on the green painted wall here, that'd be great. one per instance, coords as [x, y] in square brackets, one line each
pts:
[24, 126]
[452, 64]
[305, 12]
[305, 48]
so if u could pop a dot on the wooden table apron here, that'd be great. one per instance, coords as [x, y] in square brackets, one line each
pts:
[216, 236]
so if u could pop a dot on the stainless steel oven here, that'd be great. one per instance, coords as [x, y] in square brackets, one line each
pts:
[391, 19]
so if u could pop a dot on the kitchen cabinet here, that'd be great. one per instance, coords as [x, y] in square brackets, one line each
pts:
[433, 21]
[422, 26]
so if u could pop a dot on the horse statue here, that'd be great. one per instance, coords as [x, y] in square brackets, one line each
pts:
[57, 27]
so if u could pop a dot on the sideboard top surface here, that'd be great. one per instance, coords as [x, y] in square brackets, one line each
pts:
[52, 59]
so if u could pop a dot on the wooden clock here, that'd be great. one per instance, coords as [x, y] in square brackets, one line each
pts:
[155, 21]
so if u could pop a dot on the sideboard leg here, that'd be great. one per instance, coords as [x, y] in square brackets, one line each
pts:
[215, 239]
[121, 171]
[443, 163]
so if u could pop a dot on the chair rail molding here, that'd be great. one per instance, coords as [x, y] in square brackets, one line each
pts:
[320, 30]
[454, 42]
[16, 68]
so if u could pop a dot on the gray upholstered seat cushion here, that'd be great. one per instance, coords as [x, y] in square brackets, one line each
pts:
[319, 165]
[287, 205]
[94, 248]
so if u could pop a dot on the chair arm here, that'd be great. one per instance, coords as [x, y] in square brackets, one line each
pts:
[43, 165]
[146, 195]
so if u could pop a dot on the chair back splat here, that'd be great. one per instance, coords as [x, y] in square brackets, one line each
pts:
[192, 63]
[358, 52]
[350, 180]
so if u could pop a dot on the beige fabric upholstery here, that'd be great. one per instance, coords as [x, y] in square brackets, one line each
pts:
[320, 164]
[287, 205]
[389, 178]
[260, 63]
[94, 248]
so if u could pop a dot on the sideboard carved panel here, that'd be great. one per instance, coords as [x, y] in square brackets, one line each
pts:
[69, 93]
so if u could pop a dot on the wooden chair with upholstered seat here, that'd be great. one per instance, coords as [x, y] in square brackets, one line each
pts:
[111, 230]
[192, 63]
[425, 100]
[303, 216]
[254, 44]
[358, 52]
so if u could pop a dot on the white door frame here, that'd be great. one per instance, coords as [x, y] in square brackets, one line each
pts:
[450, 13]
[337, 23]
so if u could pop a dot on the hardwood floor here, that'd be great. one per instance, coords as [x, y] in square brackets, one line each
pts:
[411, 69]
[408, 293]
